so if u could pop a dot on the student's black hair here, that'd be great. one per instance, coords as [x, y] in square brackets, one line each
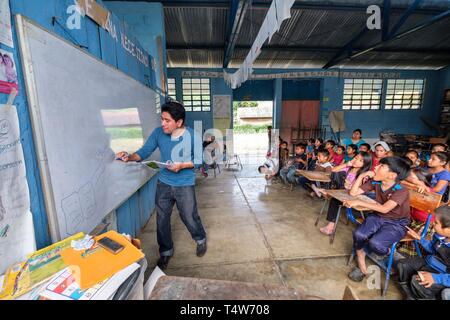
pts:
[443, 145]
[331, 142]
[354, 147]
[423, 175]
[443, 156]
[175, 109]
[324, 151]
[342, 148]
[358, 130]
[366, 145]
[312, 140]
[300, 145]
[408, 160]
[443, 214]
[367, 162]
[398, 166]
[320, 140]
[412, 151]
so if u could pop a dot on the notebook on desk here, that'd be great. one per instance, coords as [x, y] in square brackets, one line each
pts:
[97, 264]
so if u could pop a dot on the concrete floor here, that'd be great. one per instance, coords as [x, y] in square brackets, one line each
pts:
[262, 236]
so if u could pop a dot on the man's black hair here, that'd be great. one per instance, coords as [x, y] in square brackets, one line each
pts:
[358, 130]
[331, 142]
[301, 145]
[398, 166]
[443, 214]
[175, 109]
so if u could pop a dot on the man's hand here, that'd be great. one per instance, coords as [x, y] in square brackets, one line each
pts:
[125, 156]
[176, 166]
[428, 280]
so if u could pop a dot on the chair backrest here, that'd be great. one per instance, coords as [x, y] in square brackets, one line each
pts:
[427, 201]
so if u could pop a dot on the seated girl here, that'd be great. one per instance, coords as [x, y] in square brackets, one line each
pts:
[361, 163]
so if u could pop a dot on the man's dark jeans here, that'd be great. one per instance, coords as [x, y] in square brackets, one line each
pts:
[184, 197]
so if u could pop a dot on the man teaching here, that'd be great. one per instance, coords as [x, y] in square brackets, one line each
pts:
[176, 182]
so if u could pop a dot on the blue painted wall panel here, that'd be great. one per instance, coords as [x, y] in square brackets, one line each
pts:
[99, 43]
[331, 96]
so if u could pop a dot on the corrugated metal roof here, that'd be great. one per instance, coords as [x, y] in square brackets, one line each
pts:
[196, 37]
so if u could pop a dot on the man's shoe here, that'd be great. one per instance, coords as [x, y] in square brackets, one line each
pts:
[163, 261]
[201, 249]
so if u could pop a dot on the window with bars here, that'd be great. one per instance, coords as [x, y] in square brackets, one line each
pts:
[158, 103]
[196, 94]
[171, 88]
[404, 94]
[362, 94]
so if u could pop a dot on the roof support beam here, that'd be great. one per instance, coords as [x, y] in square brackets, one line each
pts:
[420, 26]
[404, 17]
[238, 8]
[217, 47]
[347, 49]
[386, 16]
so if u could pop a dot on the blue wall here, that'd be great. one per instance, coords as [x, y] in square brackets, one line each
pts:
[135, 212]
[146, 22]
[330, 92]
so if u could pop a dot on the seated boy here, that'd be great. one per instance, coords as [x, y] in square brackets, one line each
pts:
[391, 211]
[269, 168]
[322, 165]
[426, 277]
[299, 162]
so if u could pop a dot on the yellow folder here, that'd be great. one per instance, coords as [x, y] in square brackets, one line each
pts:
[97, 264]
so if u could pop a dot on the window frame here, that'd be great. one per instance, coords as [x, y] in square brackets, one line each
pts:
[196, 89]
[369, 99]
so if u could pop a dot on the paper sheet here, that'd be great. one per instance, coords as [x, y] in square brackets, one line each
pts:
[64, 287]
[16, 221]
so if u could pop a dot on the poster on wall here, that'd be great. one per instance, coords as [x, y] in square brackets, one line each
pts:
[8, 72]
[16, 222]
[5, 24]
[222, 106]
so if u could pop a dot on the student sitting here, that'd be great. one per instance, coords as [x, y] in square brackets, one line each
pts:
[283, 153]
[426, 277]
[299, 162]
[360, 164]
[381, 150]
[269, 168]
[352, 150]
[421, 177]
[437, 164]
[365, 147]
[329, 145]
[339, 156]
[413, 155]
[322, 165]
[318, 144]
[310, 146]
[355, 139]
[391, 211]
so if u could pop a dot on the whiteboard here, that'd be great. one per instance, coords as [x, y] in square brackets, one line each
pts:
[69, 93]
